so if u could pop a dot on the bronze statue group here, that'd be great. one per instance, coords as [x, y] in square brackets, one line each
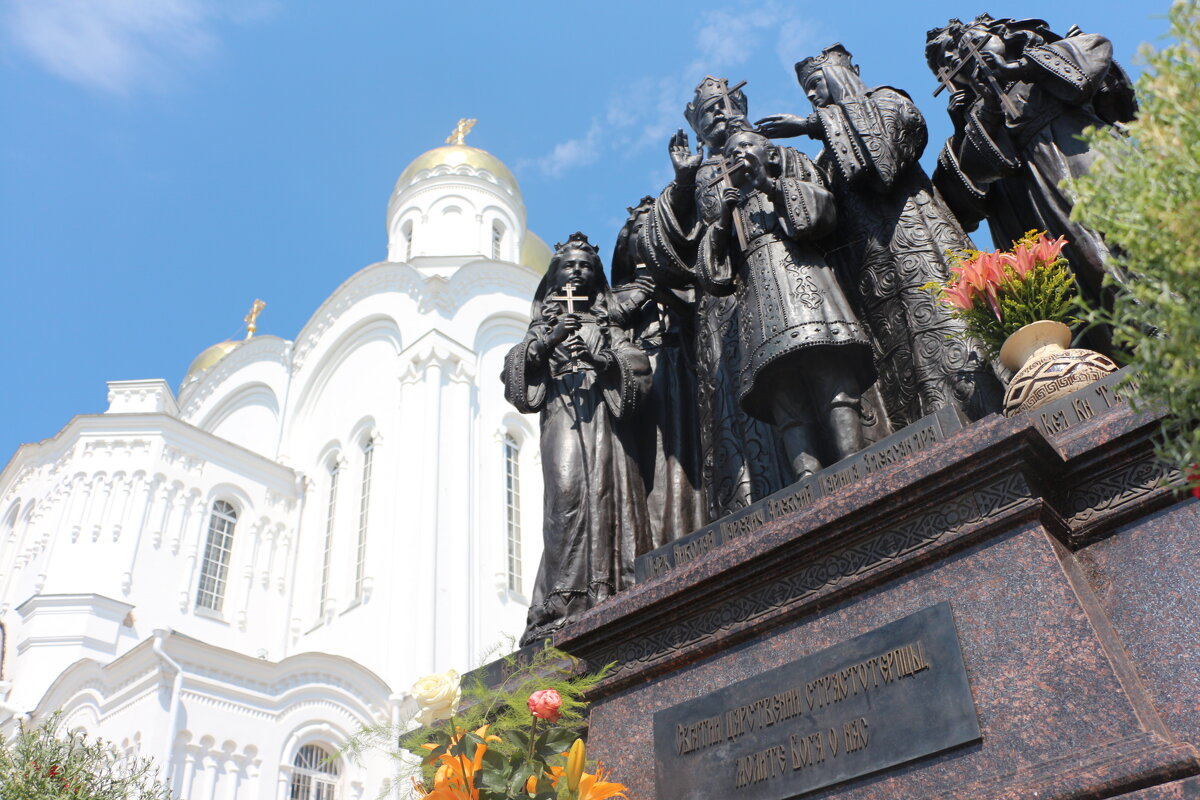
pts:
[766, 316]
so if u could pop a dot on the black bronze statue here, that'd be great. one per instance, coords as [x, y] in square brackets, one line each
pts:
[579, 370]
[743, 459]
[806, 359]
[1020, 97]
[892, 236]
[658, 311]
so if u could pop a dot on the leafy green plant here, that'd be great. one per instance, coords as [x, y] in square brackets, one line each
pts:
[43, 762]
[1143, 192]
[996, 293]
[501, 742]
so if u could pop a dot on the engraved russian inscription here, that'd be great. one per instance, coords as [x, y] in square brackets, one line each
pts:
[884, 698]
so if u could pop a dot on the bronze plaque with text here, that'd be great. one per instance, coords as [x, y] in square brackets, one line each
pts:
[884, 698]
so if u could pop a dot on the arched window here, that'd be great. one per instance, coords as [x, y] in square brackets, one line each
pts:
[364, 508]
[330, 513]
[210, 593]
[407, 233]
[512, 506]
[314, 774]
[497, 240]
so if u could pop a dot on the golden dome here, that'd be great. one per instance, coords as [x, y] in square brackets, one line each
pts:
[456, 155]
[210, 357]
[535, 253]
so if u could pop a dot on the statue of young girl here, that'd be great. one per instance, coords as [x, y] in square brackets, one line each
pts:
[579, 370]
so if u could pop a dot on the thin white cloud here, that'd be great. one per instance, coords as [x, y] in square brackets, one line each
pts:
[723, 39]
[121, 45]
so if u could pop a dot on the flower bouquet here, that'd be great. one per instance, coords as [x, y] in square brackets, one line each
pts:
[997, 293]
[519, 740]
[1020, 303]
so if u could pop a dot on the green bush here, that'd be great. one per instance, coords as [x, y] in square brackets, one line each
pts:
[45, 763]
[1144, 193]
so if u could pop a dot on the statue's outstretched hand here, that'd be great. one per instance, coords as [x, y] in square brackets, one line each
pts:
[683, 159]
[782, 126]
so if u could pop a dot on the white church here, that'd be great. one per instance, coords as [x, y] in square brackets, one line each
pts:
[236, 577]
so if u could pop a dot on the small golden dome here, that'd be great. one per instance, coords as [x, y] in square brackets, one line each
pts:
[456, 155]
[210, 357]
[535, 253]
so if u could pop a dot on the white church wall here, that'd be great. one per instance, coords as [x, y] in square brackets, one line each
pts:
[105, 528]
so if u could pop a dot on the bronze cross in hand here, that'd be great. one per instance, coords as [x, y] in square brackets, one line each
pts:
[974, 55]
[724, 178]
[569, 298]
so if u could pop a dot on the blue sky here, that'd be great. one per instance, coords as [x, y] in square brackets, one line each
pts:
[164, 162]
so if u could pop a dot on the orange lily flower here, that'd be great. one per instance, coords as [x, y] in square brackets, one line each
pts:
[455, 778]
[594, 787]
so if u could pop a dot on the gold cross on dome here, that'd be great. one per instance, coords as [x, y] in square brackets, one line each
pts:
[459, 135]
[252, 318]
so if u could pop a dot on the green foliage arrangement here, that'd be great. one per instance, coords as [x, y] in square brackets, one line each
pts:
[1143, 192]
[503, 742]
[45, 763]
[997, 293]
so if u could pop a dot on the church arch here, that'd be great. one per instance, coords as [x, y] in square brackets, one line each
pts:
[373, 328]
[249, 415]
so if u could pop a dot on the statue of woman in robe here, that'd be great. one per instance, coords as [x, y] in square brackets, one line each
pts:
[658, 311]
[892, 237]
[577, 368]
[1020, 97]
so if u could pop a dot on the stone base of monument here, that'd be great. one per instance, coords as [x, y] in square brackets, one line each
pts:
[1011, 612]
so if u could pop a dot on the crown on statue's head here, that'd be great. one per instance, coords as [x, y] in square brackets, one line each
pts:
[833, 56]
[714, 90]
[576, 241]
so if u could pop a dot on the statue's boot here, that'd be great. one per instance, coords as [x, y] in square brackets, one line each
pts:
[799, 441]
[845, 426]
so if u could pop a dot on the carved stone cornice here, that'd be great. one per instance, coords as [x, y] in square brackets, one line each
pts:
[992, 478]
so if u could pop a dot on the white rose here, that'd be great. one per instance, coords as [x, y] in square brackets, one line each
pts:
[438, 696]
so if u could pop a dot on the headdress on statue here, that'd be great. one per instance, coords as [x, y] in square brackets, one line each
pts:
[713, 90]
[841, 73]
[835, 55]
[940, 40]
[576, 241]
[549, 283]
[1017, 33]
[642, 205]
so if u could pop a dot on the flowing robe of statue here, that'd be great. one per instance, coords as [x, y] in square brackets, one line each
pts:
[742, 458]
[892, 237]
[1010, 171]
[665, 433]
[594, 514]
[790, 300]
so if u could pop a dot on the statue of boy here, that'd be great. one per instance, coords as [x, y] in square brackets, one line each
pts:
[806, 359]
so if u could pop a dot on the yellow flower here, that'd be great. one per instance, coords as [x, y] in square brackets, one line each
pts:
[575, 765]
[438, 696]
[455, 778]
[594, 787]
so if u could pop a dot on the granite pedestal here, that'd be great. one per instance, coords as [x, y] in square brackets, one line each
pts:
[1069, 575]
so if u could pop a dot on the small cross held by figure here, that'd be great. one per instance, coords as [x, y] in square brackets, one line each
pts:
[569, 298]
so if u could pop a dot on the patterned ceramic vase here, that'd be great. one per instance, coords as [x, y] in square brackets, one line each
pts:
[1045, 369]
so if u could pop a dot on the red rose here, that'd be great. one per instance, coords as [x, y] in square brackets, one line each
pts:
[545, 704]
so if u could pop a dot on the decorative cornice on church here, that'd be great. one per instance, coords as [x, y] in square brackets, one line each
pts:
[379, 278]
[435, 349]
[151, 396]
